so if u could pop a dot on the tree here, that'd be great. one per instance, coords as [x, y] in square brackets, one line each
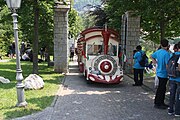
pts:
[31, 21]
[36, 39]
[88, 21]
[75, 23]
[37, 26]
[35, 22]
[6, 30]
[162, 18]
[99, 14]
[29, 15]
[159, 19]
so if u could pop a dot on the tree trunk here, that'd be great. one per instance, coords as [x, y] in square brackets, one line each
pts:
[35, 40]
[162, 26]
[47, 55]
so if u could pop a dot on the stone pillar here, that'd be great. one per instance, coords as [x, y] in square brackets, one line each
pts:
[61, 36]
[130, 35]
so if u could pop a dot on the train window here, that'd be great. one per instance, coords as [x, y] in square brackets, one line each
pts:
[112, 50]
[90, 49]
[94, 50]
[99, 50]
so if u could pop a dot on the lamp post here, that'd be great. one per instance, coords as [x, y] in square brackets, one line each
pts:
[13, 5]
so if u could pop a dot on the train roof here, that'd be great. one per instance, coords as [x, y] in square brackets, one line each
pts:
[94, 29]
[114, 34]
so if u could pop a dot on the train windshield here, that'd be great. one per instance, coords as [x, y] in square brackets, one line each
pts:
[99, 50]
[94, 49]
[112, 50]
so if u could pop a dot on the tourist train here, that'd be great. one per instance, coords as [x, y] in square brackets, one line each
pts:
[98, 56]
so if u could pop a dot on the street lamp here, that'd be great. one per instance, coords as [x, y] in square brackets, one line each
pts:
[13, 5]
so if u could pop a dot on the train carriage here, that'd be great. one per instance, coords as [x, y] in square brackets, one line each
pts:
[98, 55]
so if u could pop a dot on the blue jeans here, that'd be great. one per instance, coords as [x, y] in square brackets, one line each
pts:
[177, 104]
[172, 88]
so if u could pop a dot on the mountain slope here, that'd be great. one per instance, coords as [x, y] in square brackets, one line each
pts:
[80, 4]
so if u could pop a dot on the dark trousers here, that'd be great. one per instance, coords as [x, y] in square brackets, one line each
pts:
[172, 88]
[177, 104]
[160, 92]
[138, 72]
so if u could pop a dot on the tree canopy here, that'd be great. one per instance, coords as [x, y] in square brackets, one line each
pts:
[35, 23]
[159, 19]
[75, 23]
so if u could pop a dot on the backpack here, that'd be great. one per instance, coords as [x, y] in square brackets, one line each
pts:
[144, 60]
[172, 66]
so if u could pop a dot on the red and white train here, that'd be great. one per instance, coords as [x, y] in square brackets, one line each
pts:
[98, 56]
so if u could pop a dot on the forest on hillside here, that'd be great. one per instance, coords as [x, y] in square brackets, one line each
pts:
[80, 4]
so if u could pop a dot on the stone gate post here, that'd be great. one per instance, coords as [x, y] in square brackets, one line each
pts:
[61, 36]
[130, 35]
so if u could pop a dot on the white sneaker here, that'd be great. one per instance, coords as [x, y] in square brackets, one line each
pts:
[170, 113]
[176, 115]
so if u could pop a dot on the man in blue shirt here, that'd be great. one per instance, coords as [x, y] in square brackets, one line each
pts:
[174, 84]
[138, 69]
[161, 57]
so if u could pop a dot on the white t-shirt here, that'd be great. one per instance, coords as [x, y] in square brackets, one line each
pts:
[178, 61]
[25, 56]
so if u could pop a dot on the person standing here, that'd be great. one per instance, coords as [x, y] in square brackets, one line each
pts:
[42, 50]
[161, 57]
[13, 49]
[22, 50]
[175, 48]
[10, 53]
[138, 69]
[71, 53]
[174, 84]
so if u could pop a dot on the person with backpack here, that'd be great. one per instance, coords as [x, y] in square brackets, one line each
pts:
[174, 82]
[138, 69]
[161, 57]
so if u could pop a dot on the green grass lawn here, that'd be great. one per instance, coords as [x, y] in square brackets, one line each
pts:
[37, 99]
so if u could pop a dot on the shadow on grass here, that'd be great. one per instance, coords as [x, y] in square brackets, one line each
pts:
[9, 70]
[40, 103]
[8, 66]
[46, 72]
[7, 86]
[55, 80]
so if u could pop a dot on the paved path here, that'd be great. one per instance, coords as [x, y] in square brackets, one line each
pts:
[78, 100]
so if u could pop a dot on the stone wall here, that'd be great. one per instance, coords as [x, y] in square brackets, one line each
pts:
[130, 35]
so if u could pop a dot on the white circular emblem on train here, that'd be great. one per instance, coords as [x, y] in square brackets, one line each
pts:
[105, 66]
